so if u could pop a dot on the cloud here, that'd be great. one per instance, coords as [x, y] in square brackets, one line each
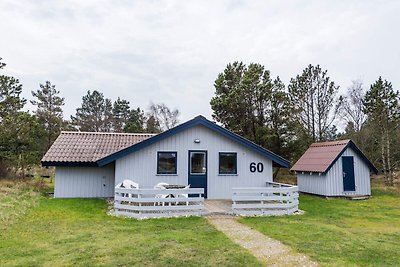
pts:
[172, 51]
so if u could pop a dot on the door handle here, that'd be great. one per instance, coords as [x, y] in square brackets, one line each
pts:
[344, 174]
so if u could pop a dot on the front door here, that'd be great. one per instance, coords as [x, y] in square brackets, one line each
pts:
[198, 170]
[348, 174]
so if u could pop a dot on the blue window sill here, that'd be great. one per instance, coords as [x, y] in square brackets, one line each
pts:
[166, 174]
[228, 174]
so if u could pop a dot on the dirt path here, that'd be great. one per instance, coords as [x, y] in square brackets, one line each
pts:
[267, 250]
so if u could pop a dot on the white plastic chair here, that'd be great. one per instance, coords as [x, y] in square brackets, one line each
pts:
[161, 186]
[129, 184]
[184, 195]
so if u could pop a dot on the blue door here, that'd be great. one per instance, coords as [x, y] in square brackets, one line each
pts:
[348, 174]
[198, 169]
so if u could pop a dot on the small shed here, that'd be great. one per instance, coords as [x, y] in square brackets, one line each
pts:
[335, 168]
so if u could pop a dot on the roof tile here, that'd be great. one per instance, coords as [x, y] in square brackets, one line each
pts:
[90, 146]
[319, 156]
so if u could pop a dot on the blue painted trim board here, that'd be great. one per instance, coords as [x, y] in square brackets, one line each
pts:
[69, 164]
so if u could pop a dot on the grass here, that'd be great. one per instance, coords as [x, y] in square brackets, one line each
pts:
[40, 231]
[65, 232]
[16, 197]
[336, 232]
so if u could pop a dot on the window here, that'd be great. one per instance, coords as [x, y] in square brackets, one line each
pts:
[198, 163]
[166, 162]
[227, 163]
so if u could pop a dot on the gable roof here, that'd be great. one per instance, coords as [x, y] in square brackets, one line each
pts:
[99, 149]
[199, 120]
[320, 157]
[86, 148]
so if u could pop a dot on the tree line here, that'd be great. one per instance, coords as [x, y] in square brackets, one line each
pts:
[25, 137]
[287, 119]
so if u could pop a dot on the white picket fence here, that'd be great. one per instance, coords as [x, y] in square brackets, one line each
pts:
[157, 203]
[274, 199]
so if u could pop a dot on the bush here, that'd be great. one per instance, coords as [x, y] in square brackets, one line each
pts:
[4, 170]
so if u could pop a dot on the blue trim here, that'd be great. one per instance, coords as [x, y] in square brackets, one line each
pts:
[219, 163]
[69, 164]
[176, 162]
[351, 144]
[199, 120]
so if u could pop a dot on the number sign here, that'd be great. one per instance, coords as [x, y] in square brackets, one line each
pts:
[259, 167]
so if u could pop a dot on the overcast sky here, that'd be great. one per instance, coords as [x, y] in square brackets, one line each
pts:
[172, 51]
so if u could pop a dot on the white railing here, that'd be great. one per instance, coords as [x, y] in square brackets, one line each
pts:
[274, 199]
[157, 203]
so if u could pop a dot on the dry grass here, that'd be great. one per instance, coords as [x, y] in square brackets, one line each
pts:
[378, 182]
[17, 197]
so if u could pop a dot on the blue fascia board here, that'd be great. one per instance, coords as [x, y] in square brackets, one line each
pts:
[351, 144]
[68, 164]
[362, 155]
[277, 160]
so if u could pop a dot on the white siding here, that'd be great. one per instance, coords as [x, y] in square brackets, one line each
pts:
[312, 183]
[331, 184]
[361, 176]
[141, 166]
[71, 182]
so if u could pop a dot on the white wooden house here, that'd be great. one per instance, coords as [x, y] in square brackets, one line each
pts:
[198, 152]
[336, 168]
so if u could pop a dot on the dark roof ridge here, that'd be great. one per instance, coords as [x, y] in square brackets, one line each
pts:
[331, 143]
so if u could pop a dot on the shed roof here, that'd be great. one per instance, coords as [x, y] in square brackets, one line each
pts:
[84, 148]
[320, 157]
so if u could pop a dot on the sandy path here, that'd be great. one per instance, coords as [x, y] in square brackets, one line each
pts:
[267, 250]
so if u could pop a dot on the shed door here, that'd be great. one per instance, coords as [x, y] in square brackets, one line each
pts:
[198, 170]
[348, 174]
[107, 186]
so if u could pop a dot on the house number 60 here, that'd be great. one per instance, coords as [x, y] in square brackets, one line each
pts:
[256, 167]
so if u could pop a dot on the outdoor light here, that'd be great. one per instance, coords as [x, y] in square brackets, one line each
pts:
[197, 141]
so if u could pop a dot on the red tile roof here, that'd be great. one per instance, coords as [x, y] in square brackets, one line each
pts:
[90, 146]
[319, 156]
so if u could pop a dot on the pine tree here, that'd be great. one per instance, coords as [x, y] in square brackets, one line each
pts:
[152, 125]
[10, 100]
[382, 106]
[248, 102]
[241, 97]
[312, 96]
[121, 114]
[108, 120]
[49, 110]
[95, 114]
[20, 133]
[135, 121]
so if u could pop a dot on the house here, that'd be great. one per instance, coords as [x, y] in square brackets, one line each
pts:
[198, 152]
[336, 168]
